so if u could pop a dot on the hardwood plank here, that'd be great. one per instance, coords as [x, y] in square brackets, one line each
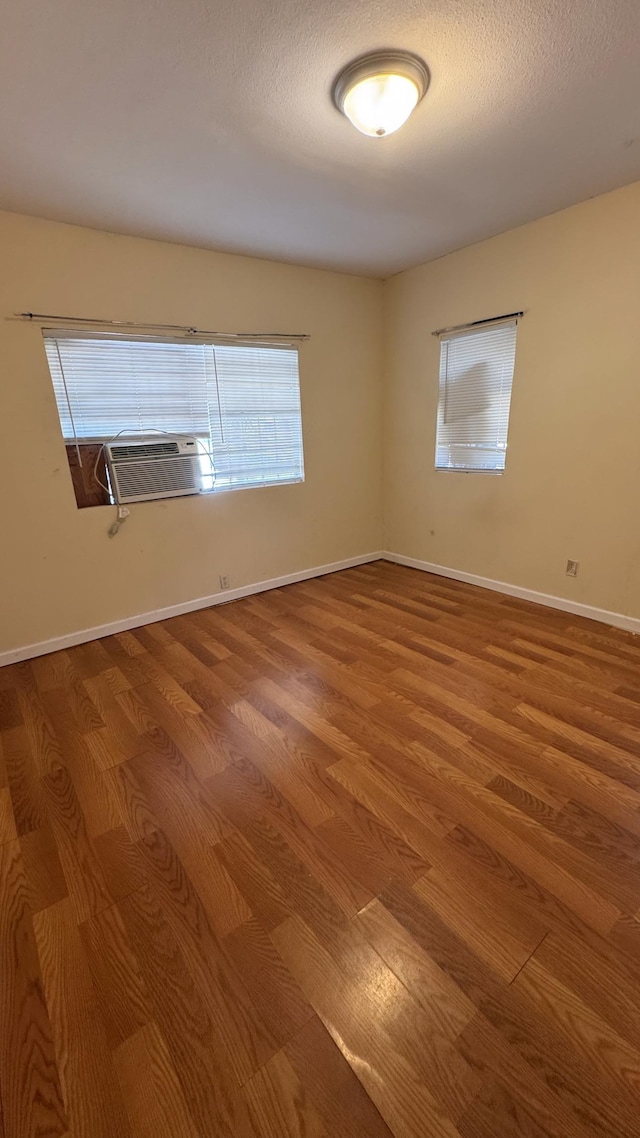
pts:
[92, 658]
[115, 972]
[380, 839]
[400, 802]
[608, 842]
[32, 1102]
[211, 1093]
[625, 934]
[613, 799]
[447, 1006]
[91, 1095]
[335, 1091]
[222, 901]
[571, 1059]
[448, 950]
[492, 872]
[514, 1101]
[118, 727]
[389, 1078]
[500, 935]
[554, 864]
[303, 893]
[615, 1062]
[43, 872]
[95, 795]
[278, 1104]
[409, 1024]
[120, 862]
[23, 779]
[364, 859]
[40, 733]
[523, 799]
[372, 794]
[265, 801]
[253, 879]
[278, 765]
[180, 801]
[207, 749]
[128, 787]
[599, 975]
[79, 698]
[8, 831]
[317, 724]
[150, 1087]
[10, 711]
[83, 872]
[244, 1037]
[271, 987]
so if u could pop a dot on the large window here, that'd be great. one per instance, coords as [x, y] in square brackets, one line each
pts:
[241, 400]
[476, 374]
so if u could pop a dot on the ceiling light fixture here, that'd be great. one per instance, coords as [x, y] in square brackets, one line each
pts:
[378, 92]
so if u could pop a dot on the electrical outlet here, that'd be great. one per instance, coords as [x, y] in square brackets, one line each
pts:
[225, 583]
[572, 568]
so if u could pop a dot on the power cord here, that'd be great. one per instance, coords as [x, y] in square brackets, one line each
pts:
[123, 514]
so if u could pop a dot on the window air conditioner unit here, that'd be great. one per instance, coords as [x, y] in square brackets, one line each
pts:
[143, 469]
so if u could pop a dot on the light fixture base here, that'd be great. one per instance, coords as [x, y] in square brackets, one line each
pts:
[390, 61]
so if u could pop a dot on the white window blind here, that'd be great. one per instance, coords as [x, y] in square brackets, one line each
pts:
[242, 400]
[476, 375]
[257, 430]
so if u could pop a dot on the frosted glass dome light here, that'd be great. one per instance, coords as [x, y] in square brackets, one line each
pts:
[378, 92]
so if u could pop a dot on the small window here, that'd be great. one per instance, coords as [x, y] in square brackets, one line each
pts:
[476, 374]
[241, 401]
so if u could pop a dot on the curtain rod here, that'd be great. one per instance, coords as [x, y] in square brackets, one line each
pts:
[478, 323]
[186, 328]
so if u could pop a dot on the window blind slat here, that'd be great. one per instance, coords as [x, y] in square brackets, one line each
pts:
[476, 375]
[244, 400]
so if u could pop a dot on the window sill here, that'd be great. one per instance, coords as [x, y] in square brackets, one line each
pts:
[199, 494]
[466, 470]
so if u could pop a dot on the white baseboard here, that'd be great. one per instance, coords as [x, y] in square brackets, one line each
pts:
[615, 619]
[15, 655]
[29, 651]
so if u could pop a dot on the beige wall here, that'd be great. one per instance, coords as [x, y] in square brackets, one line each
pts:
[572, 484]
[59, 572]
[573, 468]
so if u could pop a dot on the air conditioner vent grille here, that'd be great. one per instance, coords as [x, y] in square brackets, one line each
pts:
[141, 471]
[143, 450]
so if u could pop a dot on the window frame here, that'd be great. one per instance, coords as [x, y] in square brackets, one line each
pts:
[503, 413]
[282, 394]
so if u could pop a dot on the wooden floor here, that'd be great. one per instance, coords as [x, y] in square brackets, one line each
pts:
[355, 858]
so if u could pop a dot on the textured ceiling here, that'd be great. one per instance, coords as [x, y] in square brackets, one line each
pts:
[210, 123]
